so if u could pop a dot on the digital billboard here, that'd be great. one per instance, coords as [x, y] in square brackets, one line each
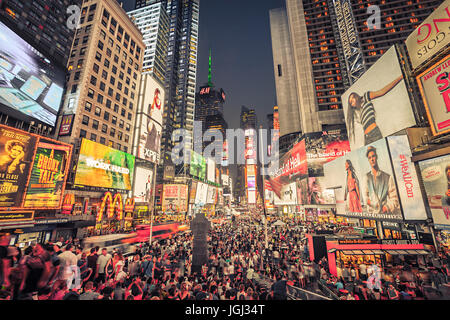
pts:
[317, 193]
[358, 194]
[406, 176]
[104, 167]
[30, 85]
[65, 128]
[430, 36]
[16, 157]
[211, 170]
[202, 193]
[434, 85]
[211, 196]
[323, 147]
[292, 166]
[193, 192]
[48, 175]
[143, 184]
[378, 104]
[151, 119]
[175, 198]
[288, 195]
[198, 166]
[436, 180]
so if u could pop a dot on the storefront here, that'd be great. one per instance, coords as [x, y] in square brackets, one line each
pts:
[353, 252]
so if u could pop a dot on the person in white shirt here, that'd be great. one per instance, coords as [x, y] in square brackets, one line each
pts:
[101, 264]
[68, 266]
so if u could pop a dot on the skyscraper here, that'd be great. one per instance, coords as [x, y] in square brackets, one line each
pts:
[248, 118]
[104, 76]
[327, 63]
[285, 73]
[152, 20]
[181, 71]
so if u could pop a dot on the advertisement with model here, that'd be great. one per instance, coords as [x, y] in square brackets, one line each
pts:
[364, 184]
[104, 167]
[143, 184]
[378, 104]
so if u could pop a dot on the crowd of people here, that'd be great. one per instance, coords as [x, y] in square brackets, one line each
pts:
[239, 267]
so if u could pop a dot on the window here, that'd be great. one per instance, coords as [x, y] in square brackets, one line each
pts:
[95, 124]
[126, 92]
[125, 148]
[110, 92]
[106, 64]
[131, 105]
[114, 120]
[99, 98]
[85, 39]
[83, 51]
[108, 52]
[121, 124]
[112, 132]
[119, 85]
[82, 133]
[88, 106]
[114, 69]
[116, 108]
[98, 56]
[106, 115]
[103, 34]
[124, 101]
[76, 76]
[112, 80]
[100, 45]
[122, 65]
[102, 140]
[121, 74]
[129, 116]
[279, 70]
[118, 146]
[85, 120]
[135, 76]
[116, 58]
[95, 68]
[105, 75]
[123, 113]
[93, 137]
[102, 86]
[111, 42]
[129, 71]
[98, 111]
[128, 127]
[104, 128]
[119, 135]
[108, 103]
[75, 43]
[90, 93]
[93, 80]
[127, 138]
[118, 97]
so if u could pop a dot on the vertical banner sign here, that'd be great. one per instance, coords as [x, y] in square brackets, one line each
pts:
[430, 37]
[406, 176]
[48, 175]
[66, 125]
[434, 85]
[349, 48]
[16, 156]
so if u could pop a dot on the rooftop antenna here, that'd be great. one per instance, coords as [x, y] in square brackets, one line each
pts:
[209, 70]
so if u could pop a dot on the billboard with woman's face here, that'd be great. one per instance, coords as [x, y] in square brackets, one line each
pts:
[436, 180]
[378, 104]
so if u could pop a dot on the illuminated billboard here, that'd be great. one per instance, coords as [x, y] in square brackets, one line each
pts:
[369, 103]
[48, 175]
[197, 166]
[202, 193]
[211, 170]
[104, 167]
[175, 198]
[16, 157]
[434, 85]
[358, 194]
[143, 184]
[436, 180]
[30, 85]
[288, 195]
[151, 111]
[323, 147]
[211, 195]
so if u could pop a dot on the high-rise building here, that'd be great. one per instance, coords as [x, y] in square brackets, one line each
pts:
[43, 24]
[105, 67]
[248, 118]
[285, 73]
[327, 65]
[181, 73]
[152, 20]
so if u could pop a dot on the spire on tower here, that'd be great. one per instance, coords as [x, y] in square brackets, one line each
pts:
[209, 70]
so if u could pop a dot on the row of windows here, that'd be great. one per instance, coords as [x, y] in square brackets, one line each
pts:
[102, 140]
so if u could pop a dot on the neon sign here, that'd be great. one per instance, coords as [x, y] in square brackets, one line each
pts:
[111, 202]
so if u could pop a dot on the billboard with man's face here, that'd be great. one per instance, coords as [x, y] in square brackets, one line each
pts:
[358, 193]
[378, 104]
[436, 180]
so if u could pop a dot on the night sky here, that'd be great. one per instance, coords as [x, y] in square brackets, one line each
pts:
[238, 33]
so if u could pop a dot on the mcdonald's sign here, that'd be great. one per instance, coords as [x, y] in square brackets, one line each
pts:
[129, 205]
[68, 203]
[112, 204]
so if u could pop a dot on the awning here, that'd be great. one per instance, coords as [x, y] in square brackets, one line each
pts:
[408, 252]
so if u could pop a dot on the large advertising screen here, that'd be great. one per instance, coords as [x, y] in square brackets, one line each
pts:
[406, 177]
[323, 147]
[211, 170]
[378, 104]
[48, 175]
[292, 166]
[175, 198]
[436, 180]
[151, 121]
[143, 184]
[104, 167]
[198, 166]
[430, 37]
[202, 193]
[434, 85]
[211, 197]
[29, 83]
[16, 157]
[288, 195]
[193, 192]
[317, 194]
[357, 193]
